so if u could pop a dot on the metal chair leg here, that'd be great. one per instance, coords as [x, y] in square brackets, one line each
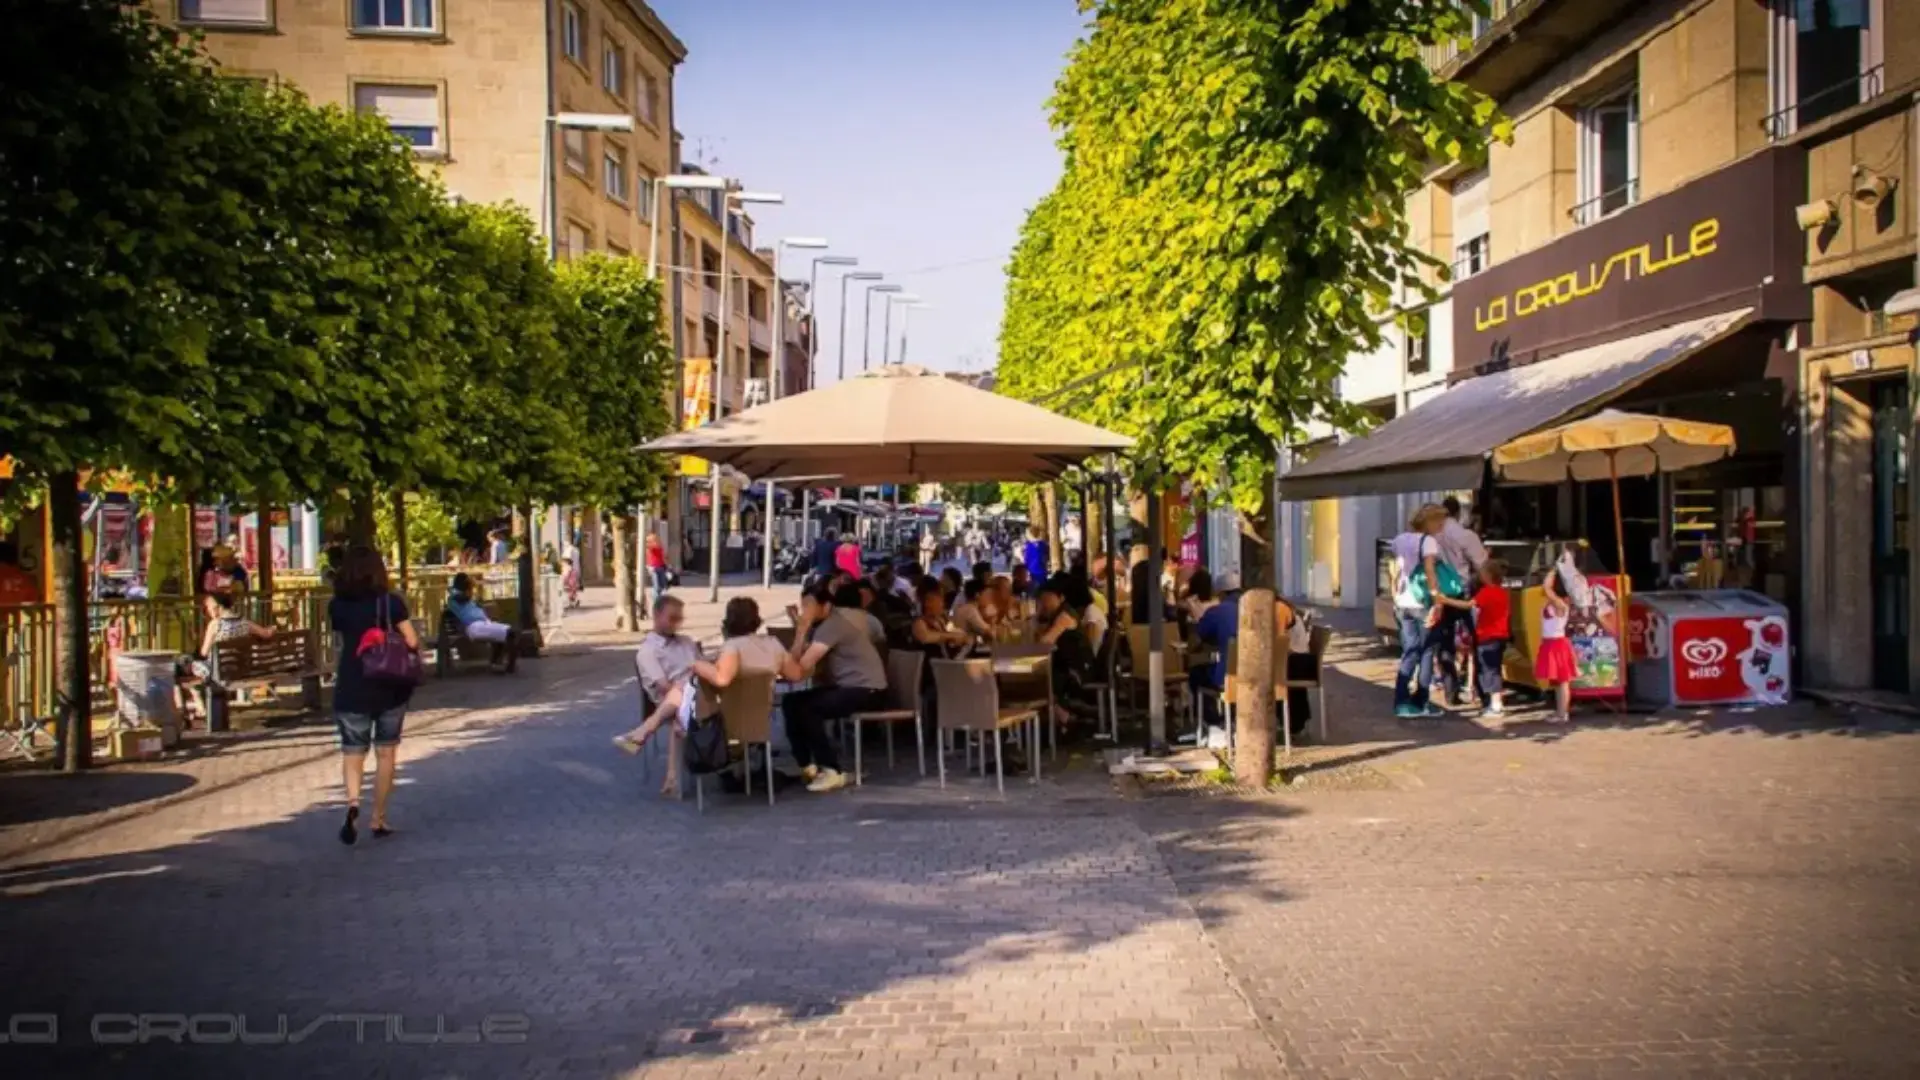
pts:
[1320, 699]
[999, 770]
[700, 793]
[746, 768]
[889, 726]
[1286, 723]
[941, 761]
[857, 725]
[920, 741]
[769, 752]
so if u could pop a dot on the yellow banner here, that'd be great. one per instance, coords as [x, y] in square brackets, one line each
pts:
[696, 403]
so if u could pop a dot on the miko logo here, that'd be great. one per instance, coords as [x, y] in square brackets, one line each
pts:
[1704, 655]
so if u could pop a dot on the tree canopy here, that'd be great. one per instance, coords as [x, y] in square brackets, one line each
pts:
[1230, 223]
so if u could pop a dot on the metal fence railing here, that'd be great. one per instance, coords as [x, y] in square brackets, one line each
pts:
[29, 635]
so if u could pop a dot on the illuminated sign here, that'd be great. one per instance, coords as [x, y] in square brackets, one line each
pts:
[1635, 262]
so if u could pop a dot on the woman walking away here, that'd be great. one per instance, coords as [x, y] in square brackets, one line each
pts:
[1553, 665]
[371, 688]
[1417, 589]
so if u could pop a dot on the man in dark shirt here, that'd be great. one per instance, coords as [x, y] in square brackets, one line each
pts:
[823, 550]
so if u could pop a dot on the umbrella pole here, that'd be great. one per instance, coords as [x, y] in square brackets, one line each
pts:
[1619, 543]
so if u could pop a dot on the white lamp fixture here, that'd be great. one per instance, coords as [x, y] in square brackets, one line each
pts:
[567, 121]
[594, 121]
[677, 182]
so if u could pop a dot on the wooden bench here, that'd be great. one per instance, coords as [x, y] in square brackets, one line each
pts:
[451, 645]
[248, 662]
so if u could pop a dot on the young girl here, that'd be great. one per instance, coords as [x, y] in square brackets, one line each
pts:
[1553, 665]
[1492, 613]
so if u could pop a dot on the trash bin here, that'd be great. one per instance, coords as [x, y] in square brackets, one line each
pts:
[144, 685]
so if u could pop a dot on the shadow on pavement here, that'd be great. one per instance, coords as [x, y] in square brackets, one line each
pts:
[27, 797]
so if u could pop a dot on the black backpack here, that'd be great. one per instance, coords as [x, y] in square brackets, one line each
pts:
[706, 746]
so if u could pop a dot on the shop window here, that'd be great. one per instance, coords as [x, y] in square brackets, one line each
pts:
[1825, 58]
[1609, 156]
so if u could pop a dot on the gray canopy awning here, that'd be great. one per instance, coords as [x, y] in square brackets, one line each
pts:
[1443, 444]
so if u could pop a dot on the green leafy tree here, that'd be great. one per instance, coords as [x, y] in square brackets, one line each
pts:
[114, 226]
[977, 496]
[621, 365]
[1229, 224]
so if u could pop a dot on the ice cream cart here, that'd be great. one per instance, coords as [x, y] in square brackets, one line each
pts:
[1709, 647]
[1596, 633]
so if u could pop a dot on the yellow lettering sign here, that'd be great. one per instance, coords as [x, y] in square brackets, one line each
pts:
[1639, 261]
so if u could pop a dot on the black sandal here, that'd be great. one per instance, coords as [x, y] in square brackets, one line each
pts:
[381, 832]
[348, 834]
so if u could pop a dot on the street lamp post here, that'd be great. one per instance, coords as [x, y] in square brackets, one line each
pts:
[662, 185]
[886, 333]
[550, 213]
[860, 275]
[779, 370]
[866, 325]
[906, 320]
[719, 365]
[813, 319]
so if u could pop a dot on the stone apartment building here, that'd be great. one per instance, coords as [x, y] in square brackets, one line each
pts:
[1706, 211]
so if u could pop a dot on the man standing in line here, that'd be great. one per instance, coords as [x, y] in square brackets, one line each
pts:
[1462, 549]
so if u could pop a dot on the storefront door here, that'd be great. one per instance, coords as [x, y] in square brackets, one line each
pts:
[1891, 424]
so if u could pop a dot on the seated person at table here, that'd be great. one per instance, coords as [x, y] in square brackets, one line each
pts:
[999, 604]
[891, 594]
[664, 658]
[932, 633]
[950, 584]
[1200, 599]
[742, 648]
[1142, 586]
[1082, 602]
[224, 623]
[1217, 628]
[1058, 626]
[475, 624]
[1022, 582]
[971, 614]
[830, 631]
[982, 573]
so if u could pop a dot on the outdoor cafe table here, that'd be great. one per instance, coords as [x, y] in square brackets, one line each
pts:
[1025, 668]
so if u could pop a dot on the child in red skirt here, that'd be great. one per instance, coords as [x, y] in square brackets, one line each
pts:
[1553, 664]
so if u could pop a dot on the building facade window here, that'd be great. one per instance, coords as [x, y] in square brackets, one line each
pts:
[613, 69]
[573, 33]
[1609, 156]
[1416, 351]
[413, 112]
[1473, 241]
[573, 142]
[1825, 57]
[648, 105]
[579, 240]
[613, 173]
[643, 194]
[401, 16]
[253, 14]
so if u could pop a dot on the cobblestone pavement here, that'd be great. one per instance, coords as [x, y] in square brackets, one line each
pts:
[1682, 896]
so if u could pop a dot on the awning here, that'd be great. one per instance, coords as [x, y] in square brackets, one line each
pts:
[1443, 443]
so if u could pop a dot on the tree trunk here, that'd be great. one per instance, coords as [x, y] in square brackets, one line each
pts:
[529, 618]
[74, 735]
[624, 616]
[1056, 559]
[1093, 523]
[402, 558]
[360, 526]
[1261, 653]
[1036, 518]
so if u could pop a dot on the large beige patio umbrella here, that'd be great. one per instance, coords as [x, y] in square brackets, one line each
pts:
[1611, 444]
[896, 425]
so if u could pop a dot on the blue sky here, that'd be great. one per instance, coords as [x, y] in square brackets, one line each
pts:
[910, 133]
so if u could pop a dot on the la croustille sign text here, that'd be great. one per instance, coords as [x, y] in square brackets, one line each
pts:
[1714, 243]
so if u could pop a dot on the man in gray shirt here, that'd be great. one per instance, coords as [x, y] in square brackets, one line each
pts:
[831, 630]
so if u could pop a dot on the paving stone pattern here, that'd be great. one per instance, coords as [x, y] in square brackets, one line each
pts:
[1692, 896]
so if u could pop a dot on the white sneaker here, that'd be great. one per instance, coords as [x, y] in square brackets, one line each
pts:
[828, 780]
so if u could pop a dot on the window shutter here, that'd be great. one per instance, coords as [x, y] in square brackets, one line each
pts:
[227, 11]
[1470, 217]
[403, 106]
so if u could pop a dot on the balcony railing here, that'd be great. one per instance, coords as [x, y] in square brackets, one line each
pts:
[1606, 203]
[1824, 102]
[710, 302]
[1439, 56]
[758, 335]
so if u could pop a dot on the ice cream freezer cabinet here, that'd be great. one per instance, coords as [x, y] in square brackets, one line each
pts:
[1708, 647]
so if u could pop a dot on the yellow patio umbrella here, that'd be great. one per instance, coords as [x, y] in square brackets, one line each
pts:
[1611, 444]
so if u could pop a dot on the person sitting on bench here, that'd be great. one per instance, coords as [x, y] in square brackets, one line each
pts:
[475, 624]
[224, 623]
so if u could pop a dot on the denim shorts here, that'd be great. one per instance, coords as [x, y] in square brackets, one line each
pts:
[359, 730]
